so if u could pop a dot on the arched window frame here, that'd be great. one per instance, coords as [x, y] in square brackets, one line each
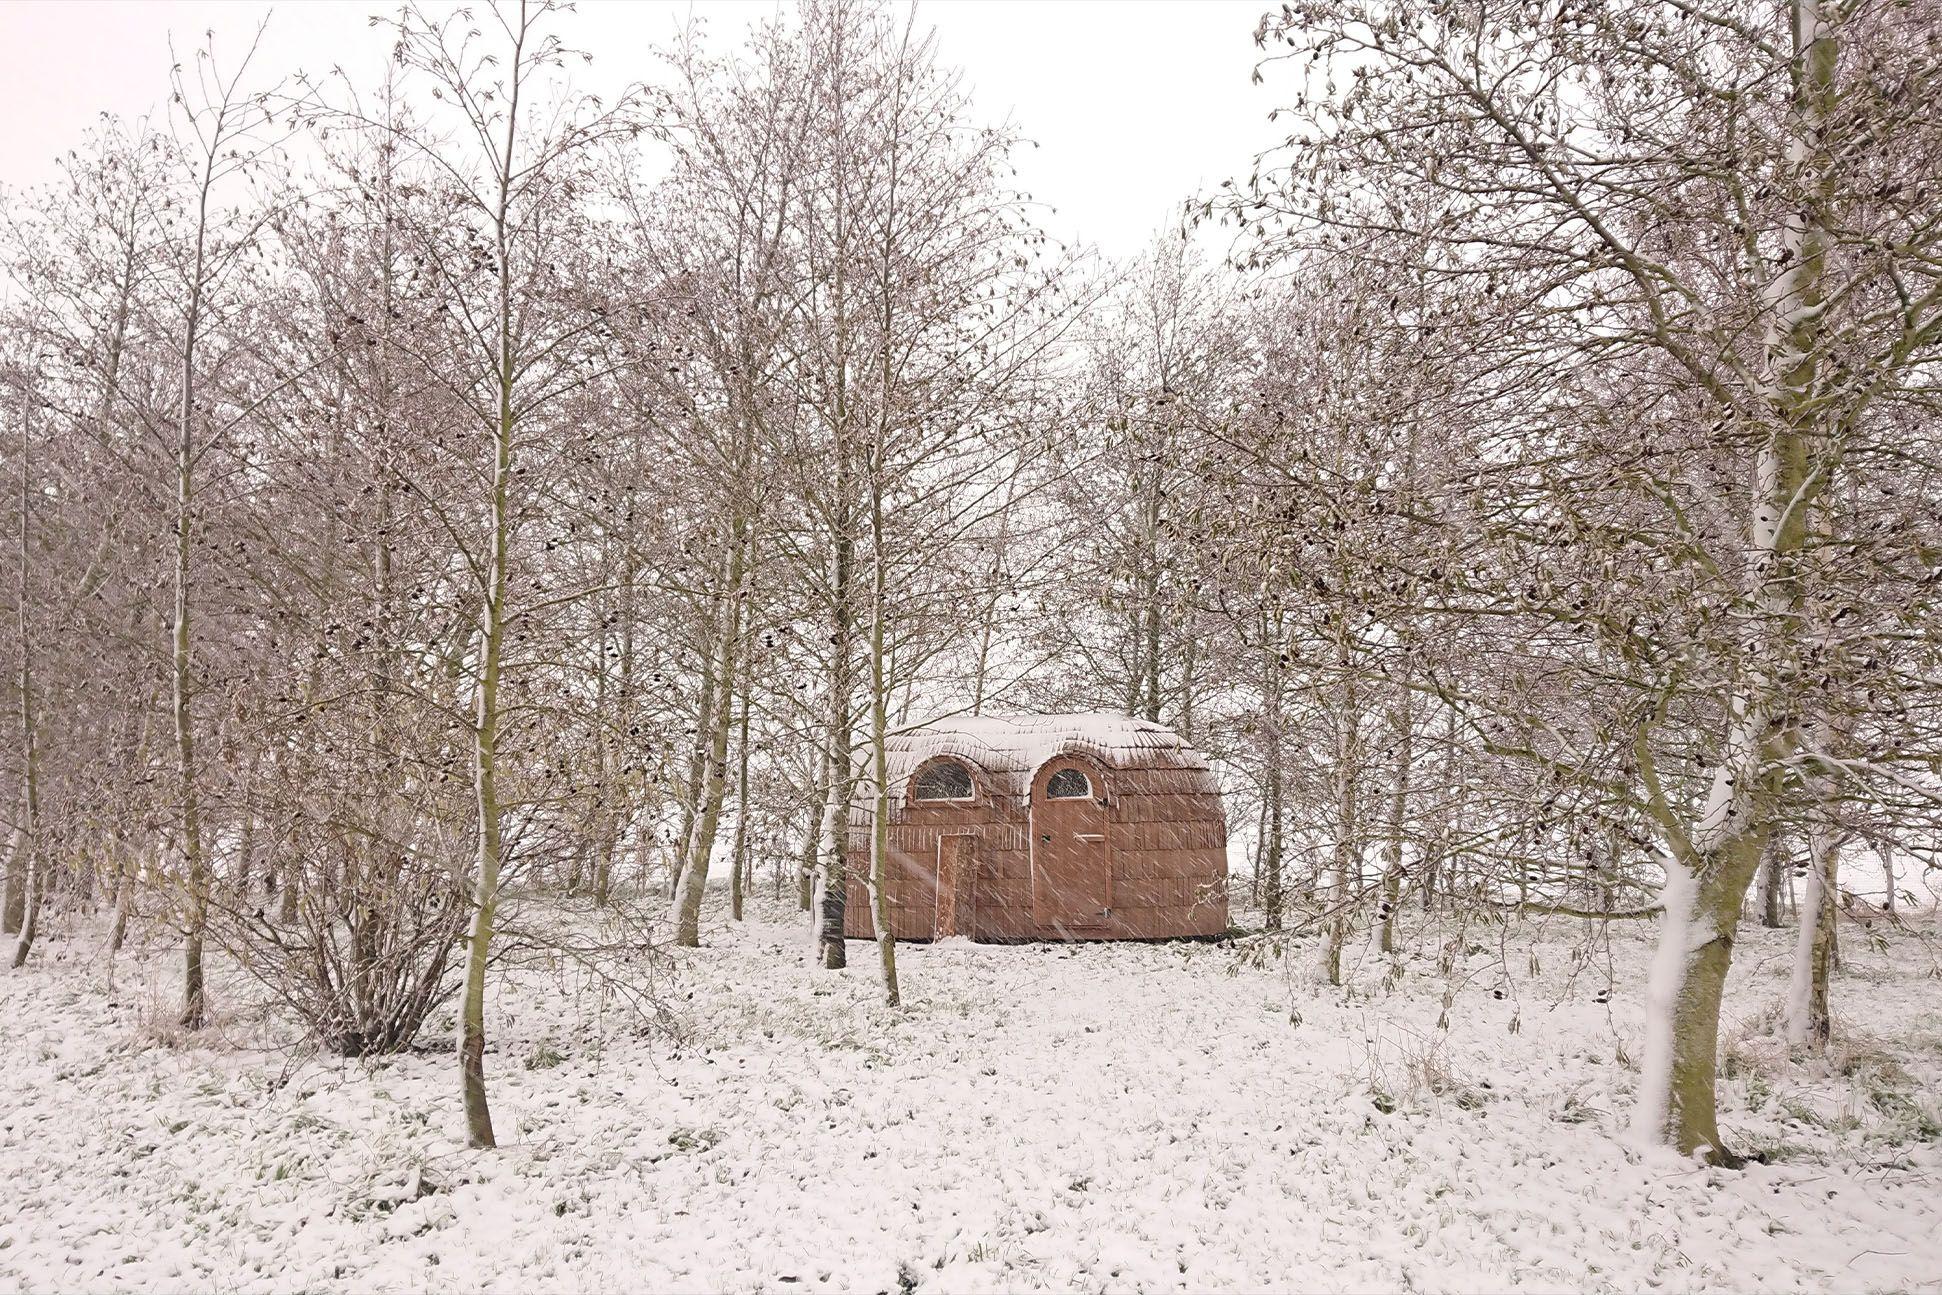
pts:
[910, 792]
[1098, 776]
[1085, 779]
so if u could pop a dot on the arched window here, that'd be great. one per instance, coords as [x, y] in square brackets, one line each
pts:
[1067, 784]
[945, 780]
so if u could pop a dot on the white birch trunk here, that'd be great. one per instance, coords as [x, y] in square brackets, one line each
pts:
[1713, 861]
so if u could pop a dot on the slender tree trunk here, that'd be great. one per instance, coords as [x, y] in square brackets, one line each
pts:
[1151, 625]
[697, 781]
[194, 1000]
[1002, 545]
[1438, 863]
[104, 432]
[1809, 1022]
[1887, 851]
[485, 891]
[1772, 865]
[288, 889]
[879, 752]
[812, 836]
[592, 854]
[618, 816]
[27, 842]
[36, 892]
[1345, 853]
[603, 856]
[1335, 880]
[1189, 662]
[485, 770]
[1259, 854]
[492, 642]
[125, 869]
[830, 898]
[13, 906]
[246, 834]
[1272, 809]
[127, 861]
[741, 850]
[1392, 871]
[694, 876]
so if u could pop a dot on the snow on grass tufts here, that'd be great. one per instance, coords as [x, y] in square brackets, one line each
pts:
[1098, 1118]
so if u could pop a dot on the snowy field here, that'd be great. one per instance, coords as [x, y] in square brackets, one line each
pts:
[1118, 1118]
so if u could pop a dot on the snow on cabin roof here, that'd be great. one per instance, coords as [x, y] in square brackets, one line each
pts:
[1011, 748]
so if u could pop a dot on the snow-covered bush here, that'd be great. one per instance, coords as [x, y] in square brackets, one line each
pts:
[366, 952]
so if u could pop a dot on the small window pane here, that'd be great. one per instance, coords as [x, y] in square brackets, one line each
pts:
[1067, 784]
[944, 781]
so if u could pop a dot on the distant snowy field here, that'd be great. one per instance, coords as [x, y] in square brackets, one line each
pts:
[1103, 1118]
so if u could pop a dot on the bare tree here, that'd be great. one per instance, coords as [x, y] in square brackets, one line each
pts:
[1779, 301]
[502, 276]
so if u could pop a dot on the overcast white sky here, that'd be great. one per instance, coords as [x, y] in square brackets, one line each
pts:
[1134, 104]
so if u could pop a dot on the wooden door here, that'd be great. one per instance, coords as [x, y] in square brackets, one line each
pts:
[957, 866]
[1072, 876]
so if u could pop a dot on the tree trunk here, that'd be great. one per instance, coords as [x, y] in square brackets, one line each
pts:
[695, 786]
[1274, 793]
[1258, 854]
[830, 898]
[741, 851]
[289, 883]
[485, 770]
[194, 1000]
[616, 816]
[879, 754]
[830, 902]
[246, 836]
[124, 897]
[1392, 871]
[1345, 851]
[1151, 625]
[485, 749]
[13, 906]
[1678, 1088]
[1809, 1022]
[1000, 547]
[1714, 864]
[694, 875]
[36, 884]
[603, 855]
[26, 841]
[806, 865]
[1772, 865]
[1887, 851]
[1437, 861]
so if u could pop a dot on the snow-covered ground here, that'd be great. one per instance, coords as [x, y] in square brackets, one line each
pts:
[1096, 1118]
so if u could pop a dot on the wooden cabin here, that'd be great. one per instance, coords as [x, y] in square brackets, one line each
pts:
[1044, 827]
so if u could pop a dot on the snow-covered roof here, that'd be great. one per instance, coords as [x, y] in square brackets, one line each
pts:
[1009, 749]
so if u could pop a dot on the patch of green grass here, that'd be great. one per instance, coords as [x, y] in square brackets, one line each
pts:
[1905, 1118]
[1774, 1150]
[544, 1056]
[694, 1139]
[1574, 1110]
